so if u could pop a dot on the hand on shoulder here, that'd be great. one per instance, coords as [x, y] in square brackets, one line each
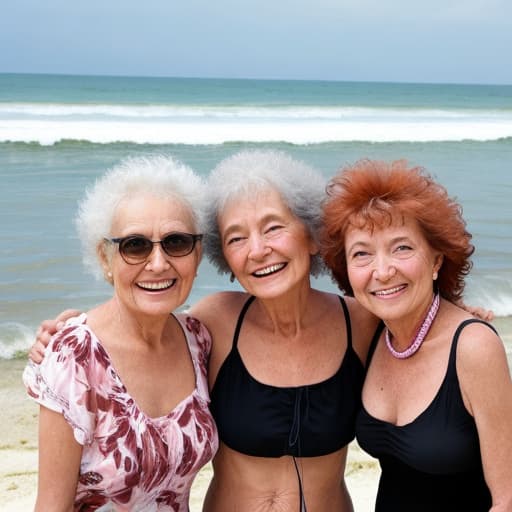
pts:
[477, 311]
[45, 331]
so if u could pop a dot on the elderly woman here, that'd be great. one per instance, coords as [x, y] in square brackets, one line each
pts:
[437, 399]
[287, 361]
[286, 365]
[124, 420]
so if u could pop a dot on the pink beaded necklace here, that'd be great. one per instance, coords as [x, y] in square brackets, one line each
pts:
[420, 334]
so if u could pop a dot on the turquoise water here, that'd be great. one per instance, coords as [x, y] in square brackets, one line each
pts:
[92, 90]
[58, 133]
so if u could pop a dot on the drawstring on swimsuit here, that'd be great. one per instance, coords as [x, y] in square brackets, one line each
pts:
[294, 438]
[302, 504]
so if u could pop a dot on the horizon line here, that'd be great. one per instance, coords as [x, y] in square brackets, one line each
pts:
[253, 79]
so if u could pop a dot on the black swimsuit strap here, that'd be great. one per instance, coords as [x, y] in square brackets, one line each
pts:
[373, 343]
[241, 316]
[461, 326]
[347, 321]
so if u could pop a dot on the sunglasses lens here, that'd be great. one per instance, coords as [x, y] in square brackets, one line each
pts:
[135, 248]
[178, 244]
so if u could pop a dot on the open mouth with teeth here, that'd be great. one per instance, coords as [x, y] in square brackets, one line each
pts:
[389, 291]
[271, 269]
[157, 286]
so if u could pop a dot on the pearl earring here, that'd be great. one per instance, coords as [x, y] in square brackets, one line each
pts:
[434, 276]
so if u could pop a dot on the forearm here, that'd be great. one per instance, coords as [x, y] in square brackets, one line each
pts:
[59, 463]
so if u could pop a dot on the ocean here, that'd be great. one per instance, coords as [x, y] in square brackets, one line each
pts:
[58, 133]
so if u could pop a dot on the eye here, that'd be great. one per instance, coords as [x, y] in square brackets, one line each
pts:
[273, 229]
[135, 244]
[360, 258]
[403, 251]
[234, 240]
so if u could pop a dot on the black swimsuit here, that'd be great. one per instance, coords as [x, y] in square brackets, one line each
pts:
[268, 421]
[434, 462]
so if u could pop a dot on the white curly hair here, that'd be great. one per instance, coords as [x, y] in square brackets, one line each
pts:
[242, 174]
[161, 176]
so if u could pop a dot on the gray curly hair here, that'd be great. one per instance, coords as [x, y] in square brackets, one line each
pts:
[160, 176]
[242, 174]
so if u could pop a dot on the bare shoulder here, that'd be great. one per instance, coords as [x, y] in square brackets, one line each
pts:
[479, 345]
[219, 312]
[213, 309]
[484, 373]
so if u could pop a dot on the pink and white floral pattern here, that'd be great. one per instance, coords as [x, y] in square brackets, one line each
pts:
[130, 462]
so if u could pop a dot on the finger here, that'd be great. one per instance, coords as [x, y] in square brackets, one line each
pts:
[44, 339]
[48, 325]
[66, 314]
[36, 353]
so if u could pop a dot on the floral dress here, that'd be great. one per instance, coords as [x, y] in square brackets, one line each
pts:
[130, 462]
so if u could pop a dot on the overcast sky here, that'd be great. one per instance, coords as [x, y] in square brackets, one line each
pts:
[463, 41]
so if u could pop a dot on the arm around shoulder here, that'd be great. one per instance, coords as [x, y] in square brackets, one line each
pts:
[45, 331]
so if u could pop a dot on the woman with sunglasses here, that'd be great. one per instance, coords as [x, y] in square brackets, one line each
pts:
[287, 361]
[286, 366]
[124, 421]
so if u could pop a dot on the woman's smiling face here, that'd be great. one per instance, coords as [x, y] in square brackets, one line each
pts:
[392, 268]
[267, 247]
[161, 283]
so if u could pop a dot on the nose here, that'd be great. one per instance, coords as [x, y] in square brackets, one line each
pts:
[158, 260]
[258, 247]
[383, 268]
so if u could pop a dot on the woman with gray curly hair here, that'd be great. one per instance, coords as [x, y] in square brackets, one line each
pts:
[286, 365]
[287, 360]
[124, 421]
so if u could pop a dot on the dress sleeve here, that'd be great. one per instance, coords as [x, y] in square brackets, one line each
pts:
[62, 382]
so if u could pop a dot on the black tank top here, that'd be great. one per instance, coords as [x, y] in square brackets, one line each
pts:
[268, 421]
[434, 462]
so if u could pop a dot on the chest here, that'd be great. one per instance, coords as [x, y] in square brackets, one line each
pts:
[399, 390]
[139, 461]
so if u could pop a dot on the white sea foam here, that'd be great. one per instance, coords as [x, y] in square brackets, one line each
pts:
[491, 291]
[217, 132]
[161, 124]
[14, 338]
[135, 111]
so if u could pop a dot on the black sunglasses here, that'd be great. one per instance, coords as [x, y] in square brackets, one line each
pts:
[137, 248]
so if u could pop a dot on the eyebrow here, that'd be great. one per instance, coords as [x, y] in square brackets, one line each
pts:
[393, 241]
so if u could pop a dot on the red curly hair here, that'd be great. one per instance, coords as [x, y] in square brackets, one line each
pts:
[369, 193]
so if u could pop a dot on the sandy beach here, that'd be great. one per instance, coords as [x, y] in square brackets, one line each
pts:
[18, 446]
[18, 452]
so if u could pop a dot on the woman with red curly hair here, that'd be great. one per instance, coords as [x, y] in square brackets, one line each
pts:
[437, 398]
